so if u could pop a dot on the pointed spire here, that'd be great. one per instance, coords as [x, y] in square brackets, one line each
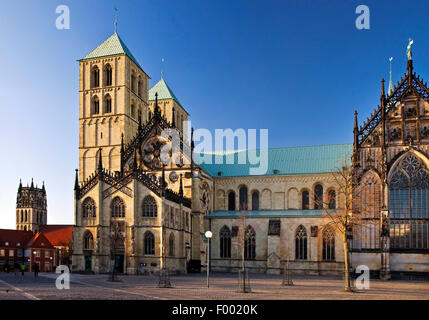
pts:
[156, 109]
[192, 140]
[76, 180]
[43, 186]
[32, 184]
[181, 186]
[135, 159]
[100, 162]
[356, 131]
[390, 90]
[383, 94]
[20, 184]
[173, 123]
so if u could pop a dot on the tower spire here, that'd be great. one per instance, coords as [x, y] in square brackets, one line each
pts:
[356, 131]
[100, 162]
[383, 94]
[390, 90]
[162, 68]
[76, 180]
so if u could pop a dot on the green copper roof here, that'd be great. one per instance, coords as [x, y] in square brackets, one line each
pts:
[264, 214]
[164, 91]
[287, 161]
[111, 47]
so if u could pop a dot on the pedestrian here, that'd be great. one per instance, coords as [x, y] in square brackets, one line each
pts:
[36, 270]
[22, 271]
[16, 269]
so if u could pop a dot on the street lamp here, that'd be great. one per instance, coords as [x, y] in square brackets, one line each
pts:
[208, 235]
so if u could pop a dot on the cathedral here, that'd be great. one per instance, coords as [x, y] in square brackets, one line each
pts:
[137, 209]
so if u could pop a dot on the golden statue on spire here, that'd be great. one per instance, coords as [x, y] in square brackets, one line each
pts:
[409, 53]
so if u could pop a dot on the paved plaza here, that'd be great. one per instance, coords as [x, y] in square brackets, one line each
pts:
[194, 287]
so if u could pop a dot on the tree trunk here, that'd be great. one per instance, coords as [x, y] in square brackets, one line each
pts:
[347, 286]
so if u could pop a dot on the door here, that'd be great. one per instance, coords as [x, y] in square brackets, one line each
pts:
[119, 263]
[88, 263]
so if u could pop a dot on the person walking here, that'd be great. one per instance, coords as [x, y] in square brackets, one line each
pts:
[36, 270]
[22, 271]
[16, 269]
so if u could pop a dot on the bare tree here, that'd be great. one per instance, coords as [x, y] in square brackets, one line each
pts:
[241, 241]
[355, 211]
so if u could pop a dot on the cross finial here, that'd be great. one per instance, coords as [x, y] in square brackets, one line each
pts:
[116, 19]
[162, 68]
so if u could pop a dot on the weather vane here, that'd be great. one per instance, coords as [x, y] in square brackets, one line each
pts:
[409, 53]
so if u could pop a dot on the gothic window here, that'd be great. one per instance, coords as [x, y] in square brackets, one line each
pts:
[88, 208]
[231, 201]
[249, 244]
[149, 207]
[301, 243]
[118, 208]
[149, 243]
[225, 242]
[139, 117]
[332, 202]
[95, 77]
[108, 74]
[318, 197]
[171, 245]
[255, 200]
[95, 105]
[88, 241]
[328, 245]
[172, 217]
[107, 104]
[243, 197]
[132, 82]
[139, 87]
[133, 111]
[409, 205]
[305, 200]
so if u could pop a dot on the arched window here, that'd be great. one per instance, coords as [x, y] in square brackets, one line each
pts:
[149, 207]
[243, 198]
[108, 75]
[409, 204]
[149, 243]
[139, 87]
[95, 77]
[255, 200]
[132, 82]
[88, 208]
[250, 244]
[133, 111]
[301, 243]
[25, 228]
[95, 105]
[88, 241]
[318, 197]
[22, 216]
[139, 117]
[305, 200]
[225, 242]
[171, 245]
[328, 245]
[332, 199]
[231, 201]
[107, 104]
[118, 208]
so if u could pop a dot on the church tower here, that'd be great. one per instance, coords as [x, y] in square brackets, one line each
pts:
[31, 207]
[113, 100]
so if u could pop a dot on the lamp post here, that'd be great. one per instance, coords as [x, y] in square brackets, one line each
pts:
[208, 235]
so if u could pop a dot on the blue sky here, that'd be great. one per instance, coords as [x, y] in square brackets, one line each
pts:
[298, 68]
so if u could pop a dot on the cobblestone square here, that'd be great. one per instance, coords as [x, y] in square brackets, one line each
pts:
[194, 287]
